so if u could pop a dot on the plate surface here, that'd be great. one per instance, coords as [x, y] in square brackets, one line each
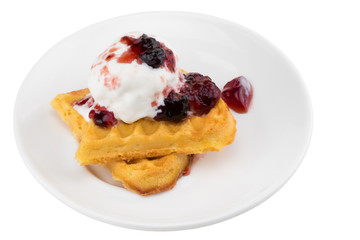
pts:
[270, 144]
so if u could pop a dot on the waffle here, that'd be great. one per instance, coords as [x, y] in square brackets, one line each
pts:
[142, 176]
[147, 138]
[62, 103]
[145, 176]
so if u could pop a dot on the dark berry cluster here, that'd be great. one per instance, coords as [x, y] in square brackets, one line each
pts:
[202, 93]
[151, 52]
[175, 108]
[198, 96]
[148, 50]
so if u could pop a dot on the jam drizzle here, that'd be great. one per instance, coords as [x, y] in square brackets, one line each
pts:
[88, 100]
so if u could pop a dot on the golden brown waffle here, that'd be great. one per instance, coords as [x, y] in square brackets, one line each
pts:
[142, 176]
[145, 176]
[147, 138]
[62, 103]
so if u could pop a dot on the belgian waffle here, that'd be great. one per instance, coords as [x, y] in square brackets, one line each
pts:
[147, 138]
[143, 176]
[62, 103]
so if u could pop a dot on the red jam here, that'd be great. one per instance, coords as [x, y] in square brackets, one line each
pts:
[88, 100]
[238, 94]
[103, 118]
[186, 172]
[99, 114]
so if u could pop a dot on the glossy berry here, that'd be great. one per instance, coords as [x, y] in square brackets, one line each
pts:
[175, 108]
[150, 52]
[197, 96]
[201, 93]
[148, 43]
[153, 57]
[103, 118]
[238, 94]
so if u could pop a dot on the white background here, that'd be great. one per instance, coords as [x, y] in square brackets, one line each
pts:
[322, 38]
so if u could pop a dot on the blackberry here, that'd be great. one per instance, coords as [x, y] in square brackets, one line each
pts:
[175, 108]
[148, 50]
[148, 43]
[201, 93]
[153, 57]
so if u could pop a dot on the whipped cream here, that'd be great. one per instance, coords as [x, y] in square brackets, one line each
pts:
[131, 90]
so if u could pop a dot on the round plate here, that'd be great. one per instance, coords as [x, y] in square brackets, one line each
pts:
[270, 143]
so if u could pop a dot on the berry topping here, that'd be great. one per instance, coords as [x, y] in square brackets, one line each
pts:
[198, 95]
[201, 92]
[148, 50]
[238, 94]
[175, 108]
[103, 118]
[193, 77]
[154, 57]
[147, 43]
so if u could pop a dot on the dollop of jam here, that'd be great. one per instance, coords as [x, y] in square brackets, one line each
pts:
[99, 114]
[238, 94]
[201, 92]
[197, 97]
[103, 118]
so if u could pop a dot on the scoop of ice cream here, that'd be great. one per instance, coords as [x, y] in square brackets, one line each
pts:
[132, 77]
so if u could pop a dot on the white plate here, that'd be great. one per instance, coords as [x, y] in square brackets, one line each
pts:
[270, 143]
